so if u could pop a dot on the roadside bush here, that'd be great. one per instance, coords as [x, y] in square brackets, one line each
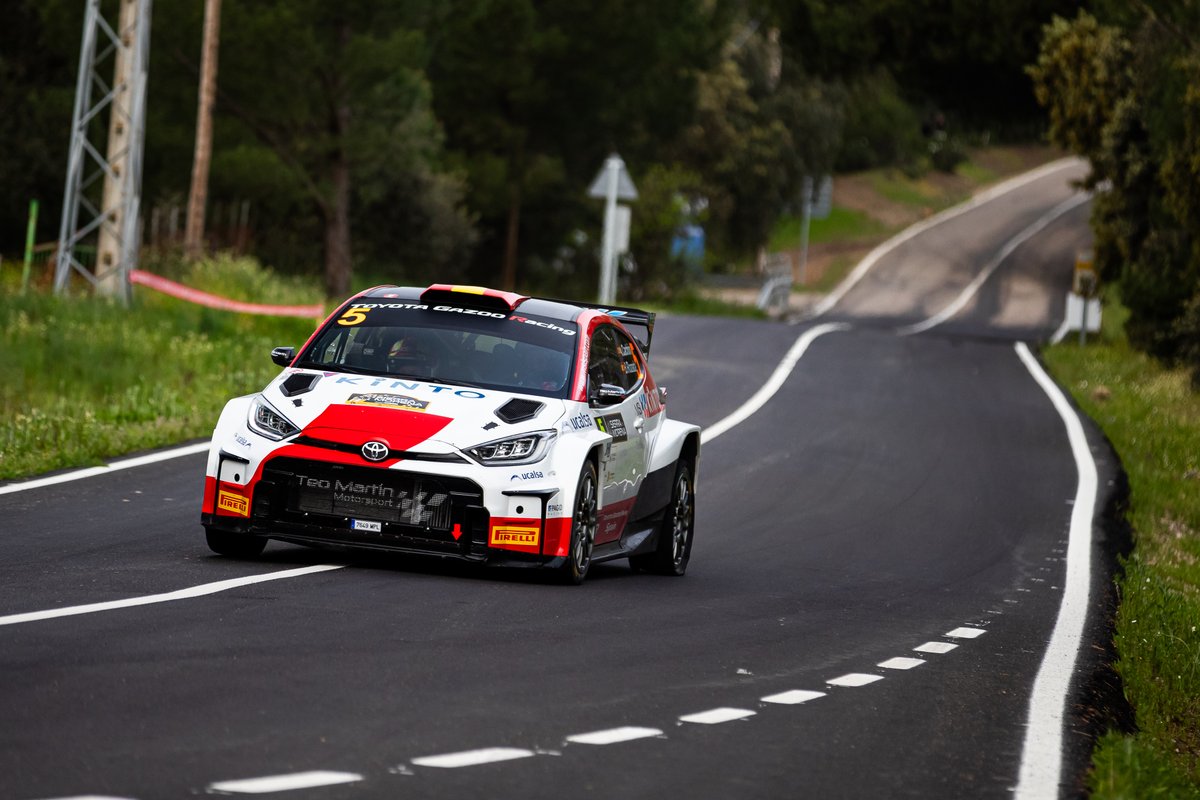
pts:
[880, 129]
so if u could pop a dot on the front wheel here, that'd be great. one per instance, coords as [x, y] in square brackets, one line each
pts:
[674, 548]
[583, 527]
[234, 545]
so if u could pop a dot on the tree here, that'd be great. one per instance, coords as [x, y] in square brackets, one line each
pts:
[758, 129]
[321, 94]
[1129, 100]
[534, 96]
[193, 240]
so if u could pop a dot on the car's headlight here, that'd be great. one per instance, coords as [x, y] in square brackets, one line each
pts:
[264, 420]
[524, 449]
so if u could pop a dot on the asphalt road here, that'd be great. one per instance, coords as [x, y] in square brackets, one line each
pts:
[898, 491]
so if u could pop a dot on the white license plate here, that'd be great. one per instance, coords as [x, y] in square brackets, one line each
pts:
[366, 525]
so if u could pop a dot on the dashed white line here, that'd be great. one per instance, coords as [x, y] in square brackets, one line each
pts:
[935, 647]
[472, 758]
[165, 597]
[901, 663]
[285, 783]
[965, 633]
[717, 715]
[854, 679]
[793, 697]
[614, 735]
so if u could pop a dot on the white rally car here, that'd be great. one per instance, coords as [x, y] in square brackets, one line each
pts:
[461, 422]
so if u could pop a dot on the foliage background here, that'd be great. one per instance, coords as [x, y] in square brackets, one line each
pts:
[465, 132]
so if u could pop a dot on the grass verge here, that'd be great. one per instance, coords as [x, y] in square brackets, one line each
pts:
[1152, 417]
[82, 380]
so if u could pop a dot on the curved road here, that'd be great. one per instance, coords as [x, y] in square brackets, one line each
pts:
[879, 564]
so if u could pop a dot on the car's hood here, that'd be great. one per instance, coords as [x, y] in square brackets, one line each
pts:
[407, 414]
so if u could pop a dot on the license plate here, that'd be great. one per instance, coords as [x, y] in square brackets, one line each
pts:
[366, 525]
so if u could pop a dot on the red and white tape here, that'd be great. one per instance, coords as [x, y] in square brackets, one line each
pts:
[160, 284]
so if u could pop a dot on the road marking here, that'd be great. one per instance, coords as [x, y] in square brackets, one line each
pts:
[165, 597]
[935, 647]
[901, 663]
[285, 783]
[793, 697]
[773, 383]
[116, 466]
[879, 252]
[1041, 754]
[472, 758]
[91, 797]
[977, 282]
[717, 715]
[965, 633]
[614, 735]
[854, 679]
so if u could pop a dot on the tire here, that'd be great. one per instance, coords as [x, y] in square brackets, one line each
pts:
[583, 528]
[674, 548]
[234, 545]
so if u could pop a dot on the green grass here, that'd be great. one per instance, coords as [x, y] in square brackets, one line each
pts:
[1152, 416]
[842, 225]
[82, 379]
[698, 305]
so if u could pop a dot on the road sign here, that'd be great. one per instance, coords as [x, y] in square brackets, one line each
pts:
[612, 183]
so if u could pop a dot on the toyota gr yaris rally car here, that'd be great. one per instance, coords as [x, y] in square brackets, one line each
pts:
[461, 422]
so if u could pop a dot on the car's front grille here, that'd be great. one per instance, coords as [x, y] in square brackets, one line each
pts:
[317, 499]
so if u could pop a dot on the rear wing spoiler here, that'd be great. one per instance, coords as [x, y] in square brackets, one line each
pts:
[639, 323]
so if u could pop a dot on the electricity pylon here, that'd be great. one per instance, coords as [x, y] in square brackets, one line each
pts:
[112, 218]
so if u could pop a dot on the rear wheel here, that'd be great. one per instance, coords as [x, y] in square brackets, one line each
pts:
[674, 548]
[234, 545]
[583, 527]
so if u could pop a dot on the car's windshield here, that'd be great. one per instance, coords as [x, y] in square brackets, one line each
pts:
[448, 344]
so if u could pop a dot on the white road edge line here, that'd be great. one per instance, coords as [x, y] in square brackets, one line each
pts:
[768, 390]
[285, 783]
[1062, 332]
[115, 466]
[999, 189]
[165, 597]
[1041, 754]
[977, 282]
[614, 735]
[472, 758]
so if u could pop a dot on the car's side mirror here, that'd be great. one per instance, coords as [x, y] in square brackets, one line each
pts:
[283, 356]
[607, 395]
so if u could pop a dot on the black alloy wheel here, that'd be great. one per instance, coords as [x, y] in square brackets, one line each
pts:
[583, 527]
[674, 548]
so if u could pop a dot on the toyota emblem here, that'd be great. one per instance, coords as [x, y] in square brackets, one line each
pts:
[374, 451]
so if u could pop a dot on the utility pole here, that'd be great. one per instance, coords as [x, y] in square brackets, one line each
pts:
[193, 237]
[114, 222]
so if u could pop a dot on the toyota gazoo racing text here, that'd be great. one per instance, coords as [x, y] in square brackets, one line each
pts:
[461, 422]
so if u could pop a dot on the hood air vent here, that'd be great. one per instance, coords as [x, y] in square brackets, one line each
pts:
[298, 383]
[517, 410]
